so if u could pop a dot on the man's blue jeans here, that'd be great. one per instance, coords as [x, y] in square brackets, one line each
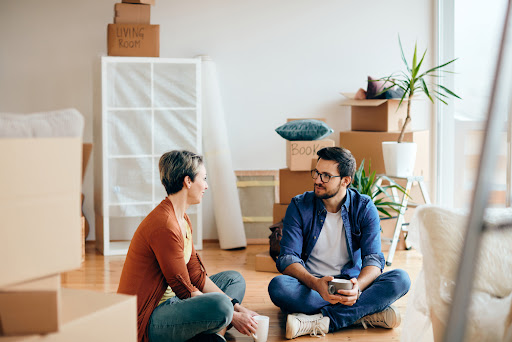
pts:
[179, 320]
[291, 295]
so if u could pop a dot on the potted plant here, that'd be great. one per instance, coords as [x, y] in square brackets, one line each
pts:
[412, 82]
[370, 185]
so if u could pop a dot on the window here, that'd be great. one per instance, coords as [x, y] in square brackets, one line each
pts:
[471, 31]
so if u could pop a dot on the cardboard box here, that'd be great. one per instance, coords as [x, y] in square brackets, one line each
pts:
[132, 13]
[368, 146]
[388, 230]
[86, 154]
[265, 263]
[40, 207]
[279, 212]
[293, 183]
[136, 40]
[300, 153]
[149, 2]
[47, 283]
[376, 115]
[29, 312]
[91, 316]
[34, 301]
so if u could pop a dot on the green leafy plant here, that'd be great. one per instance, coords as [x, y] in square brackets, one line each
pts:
[368, 184]
[413, 82]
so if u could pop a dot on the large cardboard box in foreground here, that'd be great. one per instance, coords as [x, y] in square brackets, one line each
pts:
[293, 183]
[376, 115]
[368, 146]
[301, 153]
[91, 316]
[40, 182]
[136, 40]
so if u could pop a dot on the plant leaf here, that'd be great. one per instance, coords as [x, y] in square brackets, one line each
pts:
[449, 91]
[437, 67]
[422, 58]
[402, 52]
[440, 99]
[425, 89]
[414, 68]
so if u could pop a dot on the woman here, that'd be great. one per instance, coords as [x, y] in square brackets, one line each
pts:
[176, 300]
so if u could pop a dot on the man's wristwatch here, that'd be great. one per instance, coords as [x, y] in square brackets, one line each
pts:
[359, 293]
[234, 301]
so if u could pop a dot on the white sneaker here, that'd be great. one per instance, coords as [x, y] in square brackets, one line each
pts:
[298, 324]
[389, 319]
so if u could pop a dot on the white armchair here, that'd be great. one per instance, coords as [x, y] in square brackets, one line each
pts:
[439, 234]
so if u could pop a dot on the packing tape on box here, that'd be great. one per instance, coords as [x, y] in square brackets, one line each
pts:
[258, 219]
[245, 184]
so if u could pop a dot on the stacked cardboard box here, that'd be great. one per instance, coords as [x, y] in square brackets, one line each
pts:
[40, 238]
[294, 180]
[300, 160]
[131, 34]
[375, 121]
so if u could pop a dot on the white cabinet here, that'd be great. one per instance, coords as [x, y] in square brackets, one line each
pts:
[149, 106]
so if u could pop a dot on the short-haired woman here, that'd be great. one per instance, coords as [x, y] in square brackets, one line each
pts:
[176, 300]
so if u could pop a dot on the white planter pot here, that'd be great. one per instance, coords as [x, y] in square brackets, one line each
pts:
[399, 158]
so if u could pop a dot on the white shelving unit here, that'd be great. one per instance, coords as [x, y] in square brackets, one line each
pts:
[149, 106]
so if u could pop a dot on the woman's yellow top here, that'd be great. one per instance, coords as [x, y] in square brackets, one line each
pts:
[187, 253]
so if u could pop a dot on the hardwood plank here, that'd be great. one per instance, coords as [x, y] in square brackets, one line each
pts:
[100, 273]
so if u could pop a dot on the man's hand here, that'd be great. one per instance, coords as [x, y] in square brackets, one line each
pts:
[350, 297]
[345, 297]
[321, 286]
[243, 322]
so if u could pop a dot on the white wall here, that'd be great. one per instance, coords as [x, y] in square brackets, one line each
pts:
[275, 60]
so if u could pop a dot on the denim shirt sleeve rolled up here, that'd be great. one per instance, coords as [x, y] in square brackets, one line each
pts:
[292, 239]
[303, 223]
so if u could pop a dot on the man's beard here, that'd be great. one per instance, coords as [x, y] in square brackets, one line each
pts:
[327, 194]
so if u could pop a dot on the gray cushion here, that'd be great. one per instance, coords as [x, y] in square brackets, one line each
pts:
[307, 129]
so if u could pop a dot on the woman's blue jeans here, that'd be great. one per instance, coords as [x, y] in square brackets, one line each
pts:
[291, 295]
[179, 320]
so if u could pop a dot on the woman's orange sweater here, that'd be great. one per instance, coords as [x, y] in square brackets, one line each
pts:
[155, 260]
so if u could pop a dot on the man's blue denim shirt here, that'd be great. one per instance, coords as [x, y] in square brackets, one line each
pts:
[305, 218]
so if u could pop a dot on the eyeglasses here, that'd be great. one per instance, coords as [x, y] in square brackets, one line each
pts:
[325, 178]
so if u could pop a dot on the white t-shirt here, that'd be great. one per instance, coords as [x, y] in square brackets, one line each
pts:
[330, 253]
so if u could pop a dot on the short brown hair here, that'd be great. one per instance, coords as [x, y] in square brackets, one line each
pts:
[175, 165]
[342, 156]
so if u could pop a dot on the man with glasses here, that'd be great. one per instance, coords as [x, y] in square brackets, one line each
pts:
[334, 232]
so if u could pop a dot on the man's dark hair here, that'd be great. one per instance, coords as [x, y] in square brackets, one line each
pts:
[342, 156]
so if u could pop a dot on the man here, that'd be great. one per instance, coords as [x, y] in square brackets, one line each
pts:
[334, 232]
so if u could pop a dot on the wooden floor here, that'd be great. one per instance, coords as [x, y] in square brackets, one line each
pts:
[102, 274]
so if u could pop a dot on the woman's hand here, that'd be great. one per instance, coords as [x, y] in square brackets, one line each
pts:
[195, 293]
[240, 308]
[243, 322]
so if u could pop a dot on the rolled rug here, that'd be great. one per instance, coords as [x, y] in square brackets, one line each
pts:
[217, 154]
